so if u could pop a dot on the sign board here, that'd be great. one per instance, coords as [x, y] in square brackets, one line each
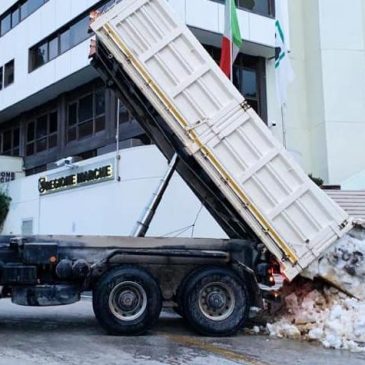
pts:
[77, 176]
[11, 168]
[6, 176]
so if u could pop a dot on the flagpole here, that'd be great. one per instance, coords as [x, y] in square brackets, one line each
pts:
[283, 124]
[231, 46]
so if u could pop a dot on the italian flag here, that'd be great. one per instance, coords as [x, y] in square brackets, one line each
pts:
[232, 40]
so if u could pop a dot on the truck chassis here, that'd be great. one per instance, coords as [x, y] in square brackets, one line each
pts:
[211, 283]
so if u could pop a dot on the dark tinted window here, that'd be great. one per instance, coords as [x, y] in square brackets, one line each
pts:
[41, 127]
[42, 133]
[86, 115]
[30, 131]
[18, 12]
[16, 137]
[67, 37]
[9, 73]
[86, 108]
[39, 56]
[15, 17]
[53, 48]
[5, 24]
[72, 114]
[79, 31]
[7, 141]
[53, 122]
[33, 5]
[100, 102]
[65, 41]
[1, 78]
[249, 82]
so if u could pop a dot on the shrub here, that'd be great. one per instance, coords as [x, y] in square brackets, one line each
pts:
[316, 180]
[4, 207]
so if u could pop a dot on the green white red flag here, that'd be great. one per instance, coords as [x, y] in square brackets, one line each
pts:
[232, 40]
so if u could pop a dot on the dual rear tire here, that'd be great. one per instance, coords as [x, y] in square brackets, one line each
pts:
[128, 301]
[214, 300]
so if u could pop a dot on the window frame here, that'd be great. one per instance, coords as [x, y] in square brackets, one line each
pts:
[47, 136]
[94, 118]
[4, 68]
[67, 28]
[17, 8]
[14, 149]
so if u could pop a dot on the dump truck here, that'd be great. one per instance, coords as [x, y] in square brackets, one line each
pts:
[276, 218]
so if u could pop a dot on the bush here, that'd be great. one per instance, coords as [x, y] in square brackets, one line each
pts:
[4, 207]
[317, 180]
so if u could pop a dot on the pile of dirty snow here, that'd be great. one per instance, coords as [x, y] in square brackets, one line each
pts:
[343, 264]
[322, 314]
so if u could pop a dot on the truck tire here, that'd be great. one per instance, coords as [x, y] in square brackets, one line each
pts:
[215, 301]
[127, 301]
[179, 309]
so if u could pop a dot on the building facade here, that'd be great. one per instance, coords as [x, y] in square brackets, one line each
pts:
[52, 103]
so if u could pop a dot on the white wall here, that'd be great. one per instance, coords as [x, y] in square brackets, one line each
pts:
[326, 107]
[111, 208]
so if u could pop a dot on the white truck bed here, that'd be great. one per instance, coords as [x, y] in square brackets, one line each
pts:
[286, 210]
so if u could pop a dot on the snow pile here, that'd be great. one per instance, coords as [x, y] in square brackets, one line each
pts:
[322, 314]
[343, 264]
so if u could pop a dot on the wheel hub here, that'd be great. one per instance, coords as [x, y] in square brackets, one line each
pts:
[127, 300]
[216, 300]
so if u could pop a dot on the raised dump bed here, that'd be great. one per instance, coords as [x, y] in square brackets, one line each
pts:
[210, 124]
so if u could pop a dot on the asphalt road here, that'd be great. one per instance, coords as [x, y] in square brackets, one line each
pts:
[71, 335]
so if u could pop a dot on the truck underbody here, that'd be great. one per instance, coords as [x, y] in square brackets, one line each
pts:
[49, 270]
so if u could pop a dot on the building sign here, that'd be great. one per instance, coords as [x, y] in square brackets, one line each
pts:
[11, 168]
[6, 176]
[77, 177]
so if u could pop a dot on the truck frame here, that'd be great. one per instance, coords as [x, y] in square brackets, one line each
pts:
[132, 278]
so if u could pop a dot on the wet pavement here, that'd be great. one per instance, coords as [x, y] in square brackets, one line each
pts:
[71, 335]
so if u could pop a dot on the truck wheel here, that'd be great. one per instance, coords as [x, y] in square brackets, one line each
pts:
[127, 301]
[215, 302]
[179, 309]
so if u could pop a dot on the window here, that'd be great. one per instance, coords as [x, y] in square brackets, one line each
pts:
[39, 55]
[79, 31]
[53, 49]
[15, 17]
[8, 73]
[1, 78]
[41, 133]
[18, 12]
[86, 116]
[262, 7]
[63, 40]
[9, 141]
[5, 24]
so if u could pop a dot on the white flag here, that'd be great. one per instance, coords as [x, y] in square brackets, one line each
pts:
[284, 71]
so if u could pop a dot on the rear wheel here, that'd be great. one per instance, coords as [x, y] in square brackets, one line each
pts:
[215, 301]
[127, 301]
